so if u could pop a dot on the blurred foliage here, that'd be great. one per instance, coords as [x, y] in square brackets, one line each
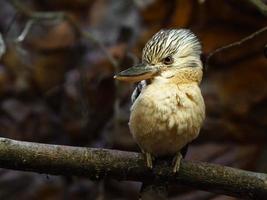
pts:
[57, 86]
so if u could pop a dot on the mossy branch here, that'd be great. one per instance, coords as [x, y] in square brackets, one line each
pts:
[122, 165]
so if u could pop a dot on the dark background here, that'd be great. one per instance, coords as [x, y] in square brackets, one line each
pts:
[57, 86]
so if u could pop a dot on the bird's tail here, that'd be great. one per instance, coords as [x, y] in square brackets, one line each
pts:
[153, 191]
[157, 190]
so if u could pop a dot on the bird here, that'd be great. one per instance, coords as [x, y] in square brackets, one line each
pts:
[168, 108]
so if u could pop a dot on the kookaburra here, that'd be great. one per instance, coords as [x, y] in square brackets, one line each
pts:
[169, 111]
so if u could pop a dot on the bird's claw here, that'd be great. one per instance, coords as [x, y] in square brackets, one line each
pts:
[176, 162]
[148, 159]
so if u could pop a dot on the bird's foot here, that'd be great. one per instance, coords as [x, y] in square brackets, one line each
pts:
[176, 162]
[148, 159]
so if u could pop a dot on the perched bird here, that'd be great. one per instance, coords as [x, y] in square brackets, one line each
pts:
[168, 108]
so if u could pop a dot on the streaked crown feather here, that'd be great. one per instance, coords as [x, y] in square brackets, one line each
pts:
[179, 42]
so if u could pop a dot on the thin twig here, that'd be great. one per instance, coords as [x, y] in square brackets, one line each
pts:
[25, 31]
[2, 46]
[260, 5]
[234, 44]
[40, 16]
[121, 165]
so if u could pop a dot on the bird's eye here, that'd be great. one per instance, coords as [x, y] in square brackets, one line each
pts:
[168, 60]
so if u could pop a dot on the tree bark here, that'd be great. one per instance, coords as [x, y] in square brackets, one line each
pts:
[121, 165]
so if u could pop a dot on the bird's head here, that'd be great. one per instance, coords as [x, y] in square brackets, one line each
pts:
[170, 55]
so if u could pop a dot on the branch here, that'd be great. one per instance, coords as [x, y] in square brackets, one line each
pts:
[100, 163]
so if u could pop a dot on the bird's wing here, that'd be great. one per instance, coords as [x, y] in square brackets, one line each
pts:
[140, 86]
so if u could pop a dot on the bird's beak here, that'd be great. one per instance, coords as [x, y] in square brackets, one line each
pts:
[137, 73]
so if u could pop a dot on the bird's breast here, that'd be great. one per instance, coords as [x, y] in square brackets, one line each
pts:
[164, 118]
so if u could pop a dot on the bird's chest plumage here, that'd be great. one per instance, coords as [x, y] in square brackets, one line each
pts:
[165, 117]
